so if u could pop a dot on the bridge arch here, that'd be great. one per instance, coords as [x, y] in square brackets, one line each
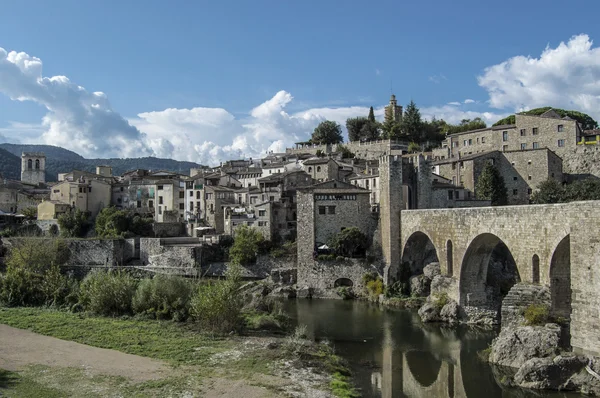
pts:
[423, 366]
[488, 271]
[418, 251]
[560, 279]
[343, 282]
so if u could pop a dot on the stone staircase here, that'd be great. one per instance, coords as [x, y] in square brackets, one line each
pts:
[521, 296]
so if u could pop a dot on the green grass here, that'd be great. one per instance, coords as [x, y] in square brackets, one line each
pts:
[341, 387]
[172, 342]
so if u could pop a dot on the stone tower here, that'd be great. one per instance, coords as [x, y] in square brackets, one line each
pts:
[393, 111]
[33, 167]
[424, 183]
[390, 204]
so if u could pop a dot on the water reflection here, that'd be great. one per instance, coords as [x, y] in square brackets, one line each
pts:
[394, 355]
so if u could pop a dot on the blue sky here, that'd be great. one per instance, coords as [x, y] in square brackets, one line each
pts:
[198, 72]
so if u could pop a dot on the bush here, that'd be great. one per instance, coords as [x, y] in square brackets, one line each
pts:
[297, 341]
[345, 292]
[350, 242]
[163, 297]
[217, 305]
[536, 314]
[108, 292]
[375, 287]
[246, 244]
[394, 290]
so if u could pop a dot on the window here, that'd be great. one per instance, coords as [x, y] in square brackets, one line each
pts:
[197, 194]
[159, 209]
[262, 213]
[462, 165]
[529, 162]
[80, 190]
[151, 203]
[181, 194]
[534, 131]
[515, 191]
[321, 209]
[160, 200]
[310, 169]
[483, 140]
[515, 178]
[478, 140]
[191, 206]
[119, 200]
[505, 136]
[374, 183]
[454, 180]
[450, 195]
[529, 191]
[192, 193]
[536, 145]
[182, 206]
[90, 189]
[529, 178]
[331, 209]
[139, 204]
[160, 187]
[462, 180]
[561, 143]
[262, 223]
[197, 207]
[453, 165]
[121, 189]
[37, 164]
[470, 142]
[523, 132]
[523, 147]
[465, 143]
[318, 169]
[455, 194]
[504, 148]
[560, 128]
[30, 164]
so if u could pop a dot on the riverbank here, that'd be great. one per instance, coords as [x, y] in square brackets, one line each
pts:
[191, 363]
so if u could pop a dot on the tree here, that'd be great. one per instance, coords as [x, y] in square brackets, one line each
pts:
[413, 147]
[392, 130]
[587, 189]
[114, 223]
[354, 125]
[371, 115]
[349, 242]
[73, 224]
[549, 191]
[345, 152]
[412, 125]
[466, 125]
[247, 242]
[370, 131]
[30, 213]
[327, 132]
[490, 186]
[584, 119]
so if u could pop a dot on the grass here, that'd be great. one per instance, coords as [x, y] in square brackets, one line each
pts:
[168, 341]
[341, 387]
[536, 315]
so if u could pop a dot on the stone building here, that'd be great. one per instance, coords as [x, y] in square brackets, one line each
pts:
[33, 167]
[52, 209]
[321, 169]
[87, 195]
[522, 170]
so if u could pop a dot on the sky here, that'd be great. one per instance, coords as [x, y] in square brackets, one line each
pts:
[207, 81]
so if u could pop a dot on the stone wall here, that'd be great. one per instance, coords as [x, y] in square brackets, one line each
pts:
[362, 150]
[521, 296]
[321, 275]
[164, 230]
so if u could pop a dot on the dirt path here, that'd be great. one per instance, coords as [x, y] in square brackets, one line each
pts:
[20, 348]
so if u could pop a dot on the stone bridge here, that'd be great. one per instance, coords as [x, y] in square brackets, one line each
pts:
[551, 245]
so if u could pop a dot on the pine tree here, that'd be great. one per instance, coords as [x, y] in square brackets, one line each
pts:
[490, 186]
[371, 115]
[412, 125]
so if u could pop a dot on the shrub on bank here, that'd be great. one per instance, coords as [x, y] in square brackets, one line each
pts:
[108, 292]
[163, 297]
[536, 314]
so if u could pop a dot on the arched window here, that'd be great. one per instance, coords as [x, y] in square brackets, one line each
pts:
[310, 169]
[30, 164]
[318, 169]
[535, 269]
[449, 257]
[37, 164]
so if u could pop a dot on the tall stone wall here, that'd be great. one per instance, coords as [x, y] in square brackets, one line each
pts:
[390, 180]
[322, 275]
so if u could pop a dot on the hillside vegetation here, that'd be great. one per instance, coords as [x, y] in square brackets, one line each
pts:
[60, 160]
[586, 120]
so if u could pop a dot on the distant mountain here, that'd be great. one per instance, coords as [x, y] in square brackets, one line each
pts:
[60, 160]
[10, 165]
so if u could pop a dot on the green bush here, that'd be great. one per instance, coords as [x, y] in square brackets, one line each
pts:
[246, 245]
[217, 305]
[345, 292]
[394, 290]
[370, 276]
[536, 314]
[163, 297]
[108, 292]
[375, 287]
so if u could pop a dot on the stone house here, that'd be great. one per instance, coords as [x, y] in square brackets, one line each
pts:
[321, 169]
[87, 195]
[273, 168]
[51, 210]
[249, 177]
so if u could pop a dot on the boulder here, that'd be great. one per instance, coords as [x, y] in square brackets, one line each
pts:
[430, 312]
[304, 292]
[451, 312]
[419, 286]
[432, 270]
[516, 345]
[550, 373]
[481, 316]
[442, 284]
[284, 291]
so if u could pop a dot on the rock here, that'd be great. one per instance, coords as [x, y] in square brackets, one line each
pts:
[419, 286]
[481, 316]
[514, 346]
[587, 383]
[451, 312]
[430, 312]
[432, 270]
[304, 292]
[442, 284]
[284, 291]
[550, 373]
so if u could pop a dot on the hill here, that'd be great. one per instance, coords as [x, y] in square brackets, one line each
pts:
[585, 120]
[60, 160]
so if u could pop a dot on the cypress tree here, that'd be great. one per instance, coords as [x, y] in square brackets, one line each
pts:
[490, 186]
[371, 115]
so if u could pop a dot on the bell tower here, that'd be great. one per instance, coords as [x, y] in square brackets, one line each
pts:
[33, 167]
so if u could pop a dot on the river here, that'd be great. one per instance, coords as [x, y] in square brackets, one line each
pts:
[392, 354]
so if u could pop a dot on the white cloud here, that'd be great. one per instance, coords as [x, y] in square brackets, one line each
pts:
[454, 103]
[567, 76]
[469, 101]
[437, 78]
[77, 119]
[454, 115]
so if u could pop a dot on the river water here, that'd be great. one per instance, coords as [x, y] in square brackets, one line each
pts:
[392, 354]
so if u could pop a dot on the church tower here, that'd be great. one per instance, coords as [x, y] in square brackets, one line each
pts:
[33, 167]
[393, 111]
